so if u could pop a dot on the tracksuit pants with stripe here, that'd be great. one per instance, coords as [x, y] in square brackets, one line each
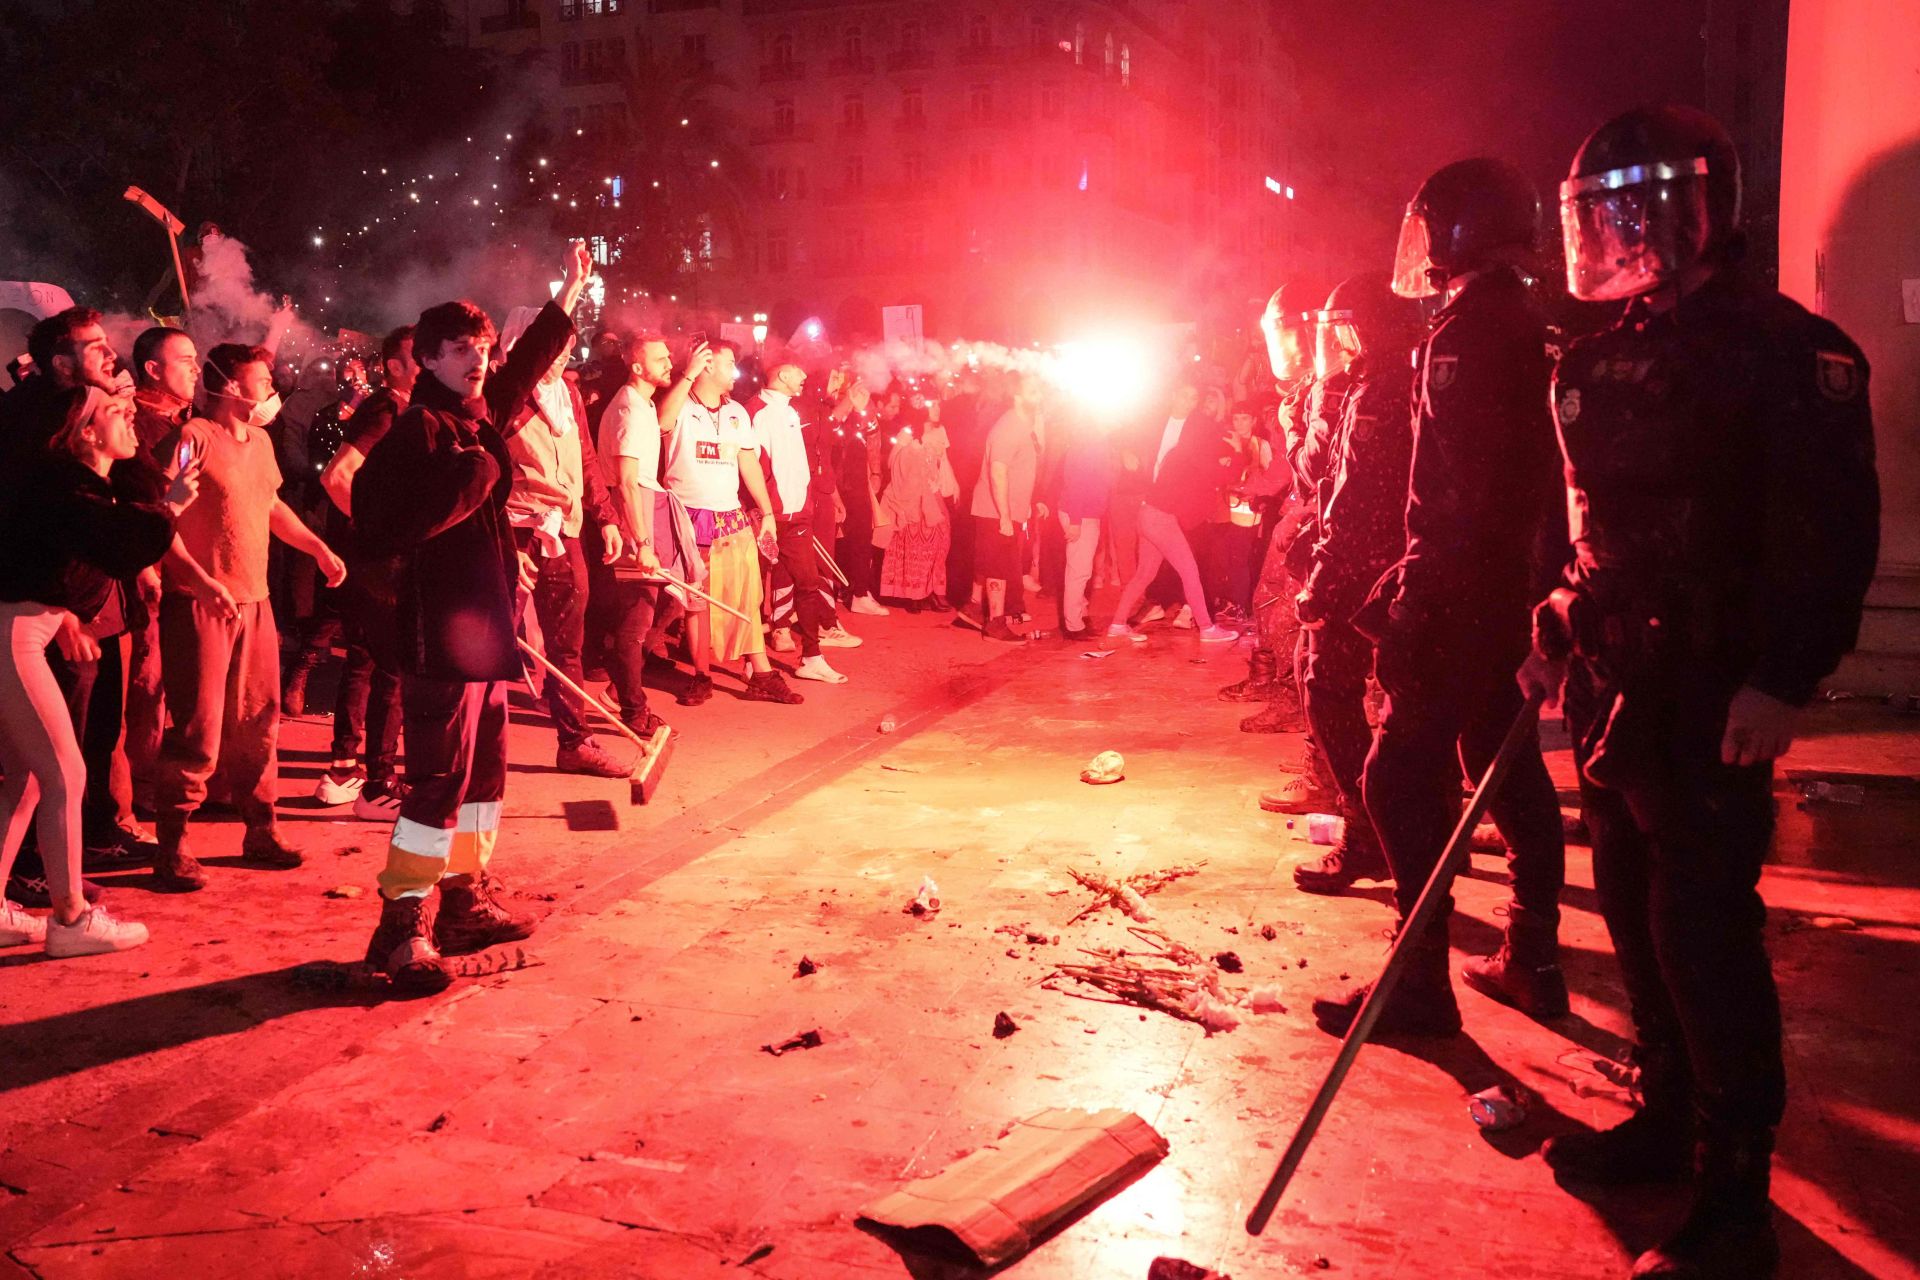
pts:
[456, 755]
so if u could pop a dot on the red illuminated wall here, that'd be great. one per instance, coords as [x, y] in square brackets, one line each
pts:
[1849, 237]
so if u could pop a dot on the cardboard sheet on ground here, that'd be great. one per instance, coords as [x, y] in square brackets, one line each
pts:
[1005, 1196]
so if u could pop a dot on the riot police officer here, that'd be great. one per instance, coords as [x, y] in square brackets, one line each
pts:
[1369, 331]
[1725, 515]
[1451, 619]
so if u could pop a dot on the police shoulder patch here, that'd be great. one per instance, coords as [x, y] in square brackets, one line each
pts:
[1441, 371]
[1570, 406]
[1838, 375]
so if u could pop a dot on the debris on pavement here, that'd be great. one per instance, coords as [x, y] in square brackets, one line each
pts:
[344, 891]
[1155, 984]
[805, 1040]
[1265, 1000]
[1229, 962]
[1129, 892]
[926, 900]
[757, 1255]
[806, 968]
[1796, 923]
[1817, 791]
[1502, 1107]
[1096, 653]
[1487, 839]
[1164, 1268]
[997, 1201]
[1325, 828]
[888, 724]
[1003, 1026]
[1268, 932]
[488, 963]
[332, 975]
[1108, 766]
[438, 1123]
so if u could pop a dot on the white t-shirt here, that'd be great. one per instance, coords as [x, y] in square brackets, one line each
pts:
[1169, 437]
[703, 455]
[784, 445]
[630, 429]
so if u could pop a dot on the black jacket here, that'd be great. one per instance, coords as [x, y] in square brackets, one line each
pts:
[1720, 477]
[432, 498]
[1363, 527]
[68, 534]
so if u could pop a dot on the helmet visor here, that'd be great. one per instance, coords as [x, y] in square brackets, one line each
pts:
[1336, 341]
[1630, 230]
[1413, 259]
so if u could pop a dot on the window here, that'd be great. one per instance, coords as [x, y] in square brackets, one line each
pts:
[1126, 64]
[853, 44]
[780, 184]
[913, 106]
[1051, 101]
[856, 173]
[1109, 50]
[914, 165]
[1037, 33]
[1079, 43]
[980, 103]
[570, 60]
[979, 32]
[776, 251]
[783, 116]
[980, 168]
[799, 184]
[694, 47]
[780, 53]
[853, 113]
[911, 37]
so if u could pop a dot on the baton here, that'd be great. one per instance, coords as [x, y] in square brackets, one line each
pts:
[690, 589]
[821, 548]
[595, 703]
[1456, 850]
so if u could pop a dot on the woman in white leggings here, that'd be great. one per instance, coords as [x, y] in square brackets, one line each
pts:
[72, 524]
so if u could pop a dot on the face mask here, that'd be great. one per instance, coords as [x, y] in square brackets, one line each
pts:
[264, 411]
[121, 384]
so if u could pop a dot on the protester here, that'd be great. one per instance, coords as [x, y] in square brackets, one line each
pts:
[856, 483]
[914, 566]
[711, 455]
[1003, 503]
[220, 650]
[73, 526]
[557, 486]
[1082, 497]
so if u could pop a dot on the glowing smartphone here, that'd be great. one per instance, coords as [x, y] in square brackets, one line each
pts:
[185, 455]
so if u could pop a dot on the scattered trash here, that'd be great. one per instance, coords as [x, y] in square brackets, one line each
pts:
[1268, 932]
[805, 1040]
[1502, 1107]
[1108, 766]
[1166, 981]
[1228, 961]
[439, 1123]
[888, 724]
[1097, 653]
[1046, 1168]
[1320, 1263]
[1303, 962]
[1833, 792]
[1325, 828]
[756, 1255]
[1843, 924]
[331, 975]
[1041, 939]
[1003, 1026]
[345, 891]
[1165, 1268]
[1487, 839]
[347, 850]
[488, 963]
[1265, 1000]
[806, 968]
[926, 901]
[1129, 892]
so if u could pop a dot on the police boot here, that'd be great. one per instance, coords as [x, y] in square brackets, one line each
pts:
[402, 947]
[1282, 715]
[472, 919]
[1728, 1233]
[1654, 1144]
[1525, 971]
[1262, 682]
[1422, 1002]
[1357, 856]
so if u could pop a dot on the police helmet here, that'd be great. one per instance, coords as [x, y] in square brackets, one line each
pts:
[1363, 316]
[1460, 220]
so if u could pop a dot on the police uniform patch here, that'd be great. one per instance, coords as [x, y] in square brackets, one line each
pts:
[1570, 406]
[1441, 371]
[1839, 376]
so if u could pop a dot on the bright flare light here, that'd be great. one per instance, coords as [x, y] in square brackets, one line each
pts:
[1108, 375]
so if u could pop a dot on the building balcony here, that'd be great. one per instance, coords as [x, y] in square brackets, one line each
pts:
[768, 134]
[850, 67]
[524, 20]
[852, 128]
[910, 124]
[910, 60]
[974, 55]
[601, 73]
[780, 72]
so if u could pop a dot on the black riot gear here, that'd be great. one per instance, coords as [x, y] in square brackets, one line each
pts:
[1471, 214]
[1651, 193]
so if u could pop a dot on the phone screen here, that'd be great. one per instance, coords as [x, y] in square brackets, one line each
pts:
[185, 455]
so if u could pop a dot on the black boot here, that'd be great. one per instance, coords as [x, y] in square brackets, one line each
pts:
[1422, 1003]
[1654, 1144]
[1728, 1233]
[1525, 971]
[402, 947]
[1262, 682]
[472, 919]
[1357, 857]
[1282, 715]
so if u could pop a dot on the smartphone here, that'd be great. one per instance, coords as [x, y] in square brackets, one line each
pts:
[184, 456]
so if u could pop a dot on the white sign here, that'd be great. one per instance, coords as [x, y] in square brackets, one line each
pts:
[901, 324]
[1910, 301]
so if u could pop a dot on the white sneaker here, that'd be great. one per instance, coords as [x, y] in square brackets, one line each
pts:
[94, 933]
[1217, 634]
[1153, 614]
[816, 668]
[1121, 631]
[869, 606]
[838, 637]
[1184, 618]
[781, 640]
[1031, 583]
[335, 790]
[18, 927]
[384, 807]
